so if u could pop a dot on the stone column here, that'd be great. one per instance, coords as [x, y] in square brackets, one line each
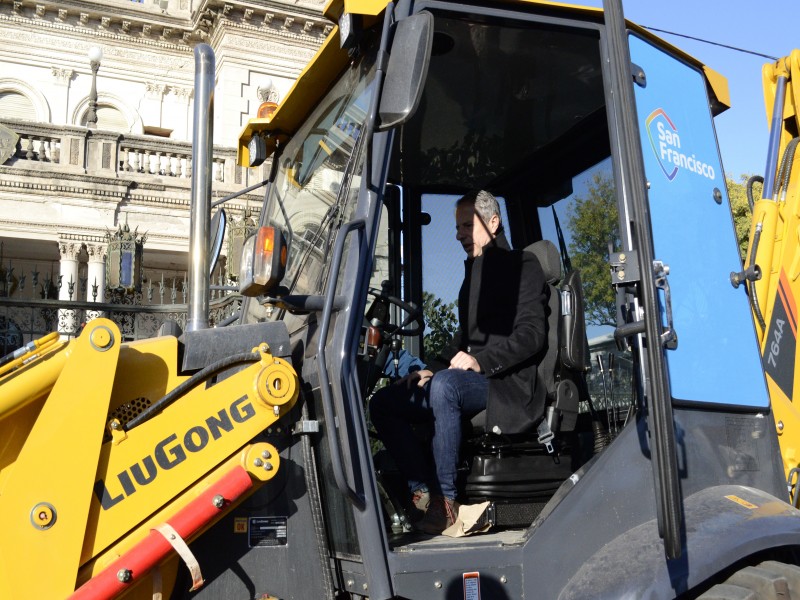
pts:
[68, 286]
[95, 290]
[152, 107]
[178, 112]
[96, 284]
[62, 78]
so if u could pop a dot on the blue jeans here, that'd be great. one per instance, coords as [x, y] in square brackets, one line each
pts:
[449, 395]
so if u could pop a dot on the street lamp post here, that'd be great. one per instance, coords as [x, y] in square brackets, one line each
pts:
[95, 56]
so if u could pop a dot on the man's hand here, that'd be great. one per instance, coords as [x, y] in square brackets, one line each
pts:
[423, 377]
[465, 361]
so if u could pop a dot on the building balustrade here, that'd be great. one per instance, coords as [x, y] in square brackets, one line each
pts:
[49, 148]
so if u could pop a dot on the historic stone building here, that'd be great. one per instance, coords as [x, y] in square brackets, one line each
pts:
[71, 181]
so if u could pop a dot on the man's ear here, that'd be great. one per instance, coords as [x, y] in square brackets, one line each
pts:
[494, 224]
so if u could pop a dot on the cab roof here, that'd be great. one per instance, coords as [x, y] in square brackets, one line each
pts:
[331, 60]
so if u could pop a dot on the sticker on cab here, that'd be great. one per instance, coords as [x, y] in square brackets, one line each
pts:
[472, 586]
[741, 501]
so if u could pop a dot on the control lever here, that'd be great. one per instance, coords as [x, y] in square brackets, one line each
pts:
[395, 347]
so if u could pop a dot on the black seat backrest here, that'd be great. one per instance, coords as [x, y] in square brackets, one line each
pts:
[557, 377]
[562, 368]
[550, 260]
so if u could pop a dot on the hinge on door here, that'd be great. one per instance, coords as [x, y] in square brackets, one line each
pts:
[624, 267]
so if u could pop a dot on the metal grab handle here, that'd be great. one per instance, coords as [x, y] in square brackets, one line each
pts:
[669, 338]
[334, 444]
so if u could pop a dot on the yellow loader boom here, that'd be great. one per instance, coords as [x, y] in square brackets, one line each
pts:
[773, 260]
[112, 461]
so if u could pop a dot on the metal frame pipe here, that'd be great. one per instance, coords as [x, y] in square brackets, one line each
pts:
[775, 130]
[200, 220]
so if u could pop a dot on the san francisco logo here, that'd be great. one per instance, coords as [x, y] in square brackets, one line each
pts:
[666, 144]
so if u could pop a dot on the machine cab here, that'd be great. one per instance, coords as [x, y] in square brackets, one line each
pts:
[405, 109]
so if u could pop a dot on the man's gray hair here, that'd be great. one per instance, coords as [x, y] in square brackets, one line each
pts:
[486, 204]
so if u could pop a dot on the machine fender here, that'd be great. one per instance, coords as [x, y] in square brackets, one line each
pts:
[723, 524]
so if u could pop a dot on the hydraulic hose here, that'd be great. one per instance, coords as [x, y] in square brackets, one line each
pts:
[750, 183]
[189, 384]
[785, 170]
[752, 288]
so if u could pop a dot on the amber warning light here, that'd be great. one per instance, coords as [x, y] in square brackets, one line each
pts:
[263, 261]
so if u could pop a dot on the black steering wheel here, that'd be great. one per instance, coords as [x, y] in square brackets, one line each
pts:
[413, 312]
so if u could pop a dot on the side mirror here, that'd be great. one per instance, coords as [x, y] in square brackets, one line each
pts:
[218, 222]
[407, 70]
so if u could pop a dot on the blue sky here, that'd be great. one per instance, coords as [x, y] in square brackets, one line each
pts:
[766, 27]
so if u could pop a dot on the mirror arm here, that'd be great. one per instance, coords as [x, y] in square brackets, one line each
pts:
[239, 193]
[304, 303]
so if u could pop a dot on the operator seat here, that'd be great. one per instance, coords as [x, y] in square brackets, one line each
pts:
[520, 473]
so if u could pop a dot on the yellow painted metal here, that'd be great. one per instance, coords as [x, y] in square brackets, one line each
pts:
[330, 61]
[261, 460]
[60, 453]
[177, 448]
[150, 371]
[305, 94]
[246, 457]
[718, 85]
[56, 467]
[34, 350]
[30, 378]
[778, 257]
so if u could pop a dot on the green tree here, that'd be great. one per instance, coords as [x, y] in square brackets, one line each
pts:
[441, 322]
[593, 226]
[740, 209]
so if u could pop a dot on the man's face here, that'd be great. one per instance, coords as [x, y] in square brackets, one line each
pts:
[472, 232]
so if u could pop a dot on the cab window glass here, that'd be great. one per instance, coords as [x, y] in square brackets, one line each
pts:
[442, 269]
[589, 222]
[315, 190]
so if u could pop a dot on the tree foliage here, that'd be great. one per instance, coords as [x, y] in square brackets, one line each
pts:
[441, 321]
[737, 192]
[593, 226]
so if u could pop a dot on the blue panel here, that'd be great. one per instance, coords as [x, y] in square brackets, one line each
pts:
[717, 358]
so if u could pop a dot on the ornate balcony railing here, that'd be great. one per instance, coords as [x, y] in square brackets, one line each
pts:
[48, 148]
[24, 320]
[48, 158]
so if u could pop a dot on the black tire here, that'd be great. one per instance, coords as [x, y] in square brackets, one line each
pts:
[770, 580]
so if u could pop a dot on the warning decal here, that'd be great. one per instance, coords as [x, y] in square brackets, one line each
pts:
[472, 586]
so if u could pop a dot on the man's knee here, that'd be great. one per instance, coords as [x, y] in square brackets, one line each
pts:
[445, 388]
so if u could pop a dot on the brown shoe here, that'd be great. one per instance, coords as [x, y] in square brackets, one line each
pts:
[442, 513]
[421, 499]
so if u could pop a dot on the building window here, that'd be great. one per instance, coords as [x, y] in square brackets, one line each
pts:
[109, 118]
[14, 105]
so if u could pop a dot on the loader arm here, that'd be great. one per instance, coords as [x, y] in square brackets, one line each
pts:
[773, 259]
[112, 461]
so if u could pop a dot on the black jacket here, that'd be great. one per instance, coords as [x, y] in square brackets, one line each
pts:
[503, 324]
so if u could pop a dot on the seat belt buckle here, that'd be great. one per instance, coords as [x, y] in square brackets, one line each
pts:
[546, 435]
